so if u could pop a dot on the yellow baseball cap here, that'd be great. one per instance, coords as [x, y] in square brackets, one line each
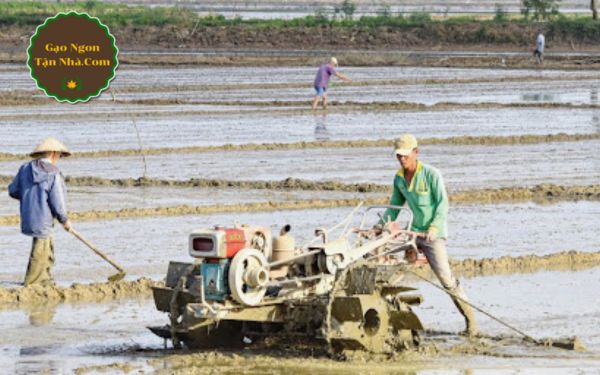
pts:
[405, 144]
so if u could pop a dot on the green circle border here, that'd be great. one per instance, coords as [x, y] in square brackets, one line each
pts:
[30, 60]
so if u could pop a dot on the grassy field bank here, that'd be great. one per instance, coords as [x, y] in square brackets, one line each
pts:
[175, 27]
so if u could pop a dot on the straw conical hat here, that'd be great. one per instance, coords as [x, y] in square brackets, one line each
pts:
[50, 144]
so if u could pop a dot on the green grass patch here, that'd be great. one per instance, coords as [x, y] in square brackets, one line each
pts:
[31, 13]
[575, 27]
[34, 13]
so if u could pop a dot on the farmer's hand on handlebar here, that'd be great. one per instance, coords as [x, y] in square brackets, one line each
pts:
[431, 235]
[375, 231]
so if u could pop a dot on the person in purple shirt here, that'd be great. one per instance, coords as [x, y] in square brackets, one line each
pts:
[322, 79]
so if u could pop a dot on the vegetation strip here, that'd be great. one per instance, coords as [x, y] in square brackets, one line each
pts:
[543, 193]
[98, 292]
[187, 24]
[460, 140]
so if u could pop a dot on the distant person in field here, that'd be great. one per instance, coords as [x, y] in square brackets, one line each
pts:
[540, 43]
[322, 80]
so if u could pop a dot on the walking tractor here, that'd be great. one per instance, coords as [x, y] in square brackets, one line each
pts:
[343, 288]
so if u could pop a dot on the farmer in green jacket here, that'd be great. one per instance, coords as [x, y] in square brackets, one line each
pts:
[422, 188]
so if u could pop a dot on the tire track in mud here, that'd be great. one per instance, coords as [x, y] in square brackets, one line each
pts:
[459, 140]
[97, 292]
[539, 193]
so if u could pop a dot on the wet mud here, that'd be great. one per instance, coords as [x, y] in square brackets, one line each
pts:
[463, 140]
[143, 108]
[102, 292]
[96, 292]
[563, 261]
[436, 351]
[205, 210]
[540, 193]
[111, 198]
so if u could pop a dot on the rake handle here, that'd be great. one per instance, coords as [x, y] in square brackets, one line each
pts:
[95, 249]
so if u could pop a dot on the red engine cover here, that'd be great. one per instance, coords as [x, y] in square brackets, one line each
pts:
[234, 241]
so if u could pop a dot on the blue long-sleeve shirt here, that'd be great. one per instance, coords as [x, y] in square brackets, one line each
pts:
[40, 188]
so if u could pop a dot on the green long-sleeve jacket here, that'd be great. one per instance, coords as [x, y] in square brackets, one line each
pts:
[426, 197]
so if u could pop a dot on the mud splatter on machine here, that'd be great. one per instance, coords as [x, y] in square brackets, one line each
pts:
[343, 292]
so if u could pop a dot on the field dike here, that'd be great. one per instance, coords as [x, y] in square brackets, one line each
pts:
[461, 140]
[280, 107]
[98, 292]
[15, 97]
[541, 193]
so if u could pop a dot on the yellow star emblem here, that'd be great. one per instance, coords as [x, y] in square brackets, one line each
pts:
[71, 84]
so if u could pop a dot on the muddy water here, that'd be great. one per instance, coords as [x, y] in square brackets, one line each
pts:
[144, 246]
[112, 337]
[541, 304]
[462, 166]
[59, 339]
[119, 132]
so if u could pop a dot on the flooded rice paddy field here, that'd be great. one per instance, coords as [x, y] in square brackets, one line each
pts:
[538, 302]
[60, 338]
[263, 126]
[230, 105]
[564, 92]
[145, 245]
[95, 337]
[17, 77]
[473, 166]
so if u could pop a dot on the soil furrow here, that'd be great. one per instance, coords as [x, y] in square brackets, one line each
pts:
[461, 140]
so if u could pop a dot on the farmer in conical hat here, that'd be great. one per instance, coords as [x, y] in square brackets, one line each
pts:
[40, 188]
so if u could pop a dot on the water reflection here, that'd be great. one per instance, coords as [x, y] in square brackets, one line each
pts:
[321, 132]
[41, 315]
